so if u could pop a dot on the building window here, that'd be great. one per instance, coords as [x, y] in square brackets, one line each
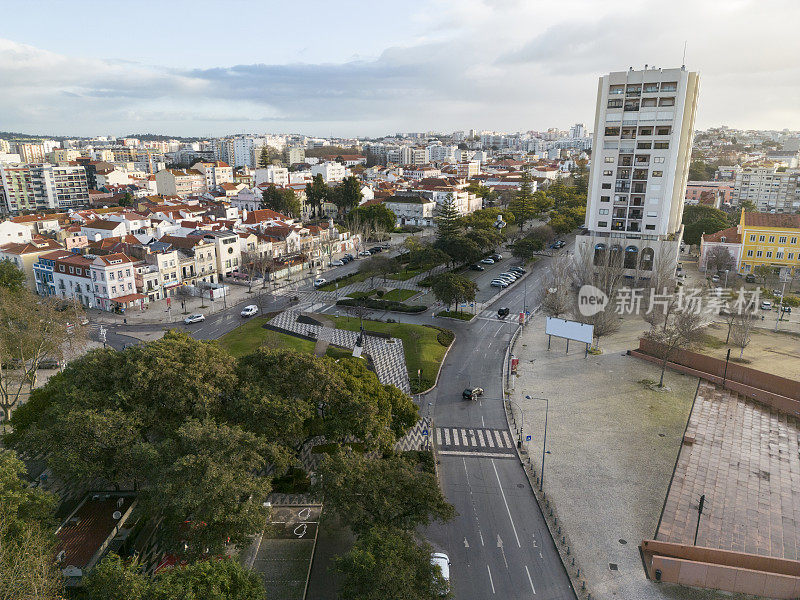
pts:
[608, 173]
[650, 227]
[753, 237]
[749, 253]
[790, 256]
[779, 255]
[769, 253]
[606, 186]
[658, 159]
[667, 101]
[761, 238]
[605, 198]
[663, 130]
[603, 211]
[794, 241]
[113, 289]
[759, 253]
[602, 223]
[658, 173]
[609, 159]
[782, 239]
[772, 239]
[661, 146]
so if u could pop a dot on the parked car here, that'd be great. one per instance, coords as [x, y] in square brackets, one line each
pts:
[558, 244]
[510, 275]
[441, 560]
[777, 293]
[715, 278]
[496, 257]
[472, 393]
[375, 250]
[503, 312]
[365, 253]
[487, 261]
[249, 310]
[786, 309]
[501, 283]
[766, 305]
[337, 263]
[477, 267]
[49, 363]
[519, 270]
[386, 246]
[349, 256]
[750, 278]
[195, 318]
[320, 281]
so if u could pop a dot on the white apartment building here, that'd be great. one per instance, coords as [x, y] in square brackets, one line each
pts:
[11, 232]
[768, 189]
[439, 153]
[640, 163]
[180, 182]
[114, 281]
[272, 174]
[216, 173]
[330, 171]
[41, 186]
[412, 209]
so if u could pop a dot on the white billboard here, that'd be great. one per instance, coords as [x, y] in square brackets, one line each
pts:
[571, 330]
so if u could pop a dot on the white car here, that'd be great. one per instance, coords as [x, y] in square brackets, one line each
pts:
[320, 281]
[441, 560]
[766, 305]
[487, 261]
[365, 253]
[196, 318]
[501, 283]
[249, 310]
[337, 263]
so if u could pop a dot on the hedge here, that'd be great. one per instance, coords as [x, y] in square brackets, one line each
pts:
[382, 305]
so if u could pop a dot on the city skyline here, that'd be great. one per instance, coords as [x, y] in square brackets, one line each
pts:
[344, 71]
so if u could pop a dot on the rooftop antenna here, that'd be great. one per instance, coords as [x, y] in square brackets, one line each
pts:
[683, 62]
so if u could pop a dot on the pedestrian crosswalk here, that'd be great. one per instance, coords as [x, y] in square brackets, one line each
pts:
[465, 441]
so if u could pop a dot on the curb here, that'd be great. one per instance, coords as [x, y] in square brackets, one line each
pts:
[441, 364]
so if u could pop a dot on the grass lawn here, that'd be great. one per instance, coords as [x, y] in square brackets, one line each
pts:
[422, 349]
[464, 316]
[399, 295]
[359, 295]
[404, 275]
[251, 334]
[347, 280]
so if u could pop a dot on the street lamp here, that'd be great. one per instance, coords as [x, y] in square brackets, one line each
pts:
[544, 439]
[522, 425]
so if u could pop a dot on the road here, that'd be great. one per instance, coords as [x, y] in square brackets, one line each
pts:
[499, 545]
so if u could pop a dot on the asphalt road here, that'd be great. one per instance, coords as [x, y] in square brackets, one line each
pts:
[499, 545]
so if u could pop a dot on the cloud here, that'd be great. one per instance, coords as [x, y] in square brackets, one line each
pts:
[495, 64]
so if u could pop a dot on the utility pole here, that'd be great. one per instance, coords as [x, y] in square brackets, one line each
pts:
[780, 304]
[699, 514]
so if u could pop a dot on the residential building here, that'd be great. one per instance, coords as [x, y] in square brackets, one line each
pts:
[768, 189]
[276, 175]
[14, 232]
[770, 239]
[99, 229]
[44, 186]
[712, 193]
[43, 271]
[467, 169]
[31, 153]
[228, 253]
[180, 182]
[25, 254]
[216, 173]
[640, 162]
[412, 209]
[72, 279]
[114, 282]
[330, 171]
[729, 238]
[294, 155]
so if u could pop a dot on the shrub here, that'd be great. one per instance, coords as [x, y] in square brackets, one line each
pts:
[445, 337]
[382, 305]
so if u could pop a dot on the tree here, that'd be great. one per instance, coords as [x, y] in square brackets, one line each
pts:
[742, 331]
[385, 492]
[377, 264]
[523, 204]
[526, 248]
[486, 218]
[126, 200]
[426, 258]
[21, 505]
[450, 289]
[377, 215]
[347, 194]
[11, 278]
[693, 233]
[317, 193]
[701, 171]
[32, 329]
[113, 579]
[485, 239]
[268, 156]
[389, 563]
[680, 330]
[212, 579]
[764, 272]
[557, 297]
[719, 259]
[461, 250]
[281, 200]
[447, 222]
[603, 323]
[27, 568]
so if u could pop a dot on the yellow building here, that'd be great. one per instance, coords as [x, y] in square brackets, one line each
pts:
[770, 239]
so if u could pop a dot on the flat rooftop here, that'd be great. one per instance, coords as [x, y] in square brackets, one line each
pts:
[744, 457]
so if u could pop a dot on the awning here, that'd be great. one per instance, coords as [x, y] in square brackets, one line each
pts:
[128, 298]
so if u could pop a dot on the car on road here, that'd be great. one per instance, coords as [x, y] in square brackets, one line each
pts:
[786, 309]
[750, 278]
[249, 310]
[441, 560]
[49, 363]
[472, 393]
[477, 267]
[496, 257]
[558, 244]
[337, 263]
[510, 275]
[195, 318]
[365, 253]
[766, 305]
[320, 281]
[519, 270]
[501, 283]
[487, 261]
[503, 312]
[375, 250]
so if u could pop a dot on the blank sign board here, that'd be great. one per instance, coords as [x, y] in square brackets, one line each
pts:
[572, 330]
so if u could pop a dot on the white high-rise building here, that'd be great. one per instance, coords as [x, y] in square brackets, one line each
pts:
[640, 164]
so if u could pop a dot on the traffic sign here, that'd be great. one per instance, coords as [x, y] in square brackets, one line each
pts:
[527, 438]
[424, 432]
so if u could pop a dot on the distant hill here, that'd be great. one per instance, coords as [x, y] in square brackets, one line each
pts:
[14, 135]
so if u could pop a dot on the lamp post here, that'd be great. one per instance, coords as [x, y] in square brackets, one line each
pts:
[544, 439]
[726, 278]
[780, 304]
[522, 424]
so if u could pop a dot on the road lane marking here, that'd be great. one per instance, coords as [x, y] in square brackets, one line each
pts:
[482, 422]
[490, 438]
[475, 454]
[508, 510]
[464, 439]
[481, 440]
[490, 578]
[438, 436]
[446, 436]
[507, 439]
[529, 579]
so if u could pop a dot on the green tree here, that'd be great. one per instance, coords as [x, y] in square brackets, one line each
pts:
[525, 248]
[317, 193]
[486, 218]
[385, 492]
[281, 200]
[460, 249]
[450, 289]
[268, 156]
[426, 258]
[389, 563]
[347, 194]
[693, 213]
[701, 171]
[21, 505]
[448, 221]
[212, 579]
[485, 239]
[378, 216]
[522, 206]
[11, 278]
[693, 232]
[113, 579]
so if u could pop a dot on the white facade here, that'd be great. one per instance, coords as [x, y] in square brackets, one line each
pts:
[768, 189]
[272, 174]
[330, 171]
[14, 232]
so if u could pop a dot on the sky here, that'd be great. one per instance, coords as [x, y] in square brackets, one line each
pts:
[346, 68]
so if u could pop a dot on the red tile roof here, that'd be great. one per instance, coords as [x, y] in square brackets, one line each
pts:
[730, 234]
[759, 219]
